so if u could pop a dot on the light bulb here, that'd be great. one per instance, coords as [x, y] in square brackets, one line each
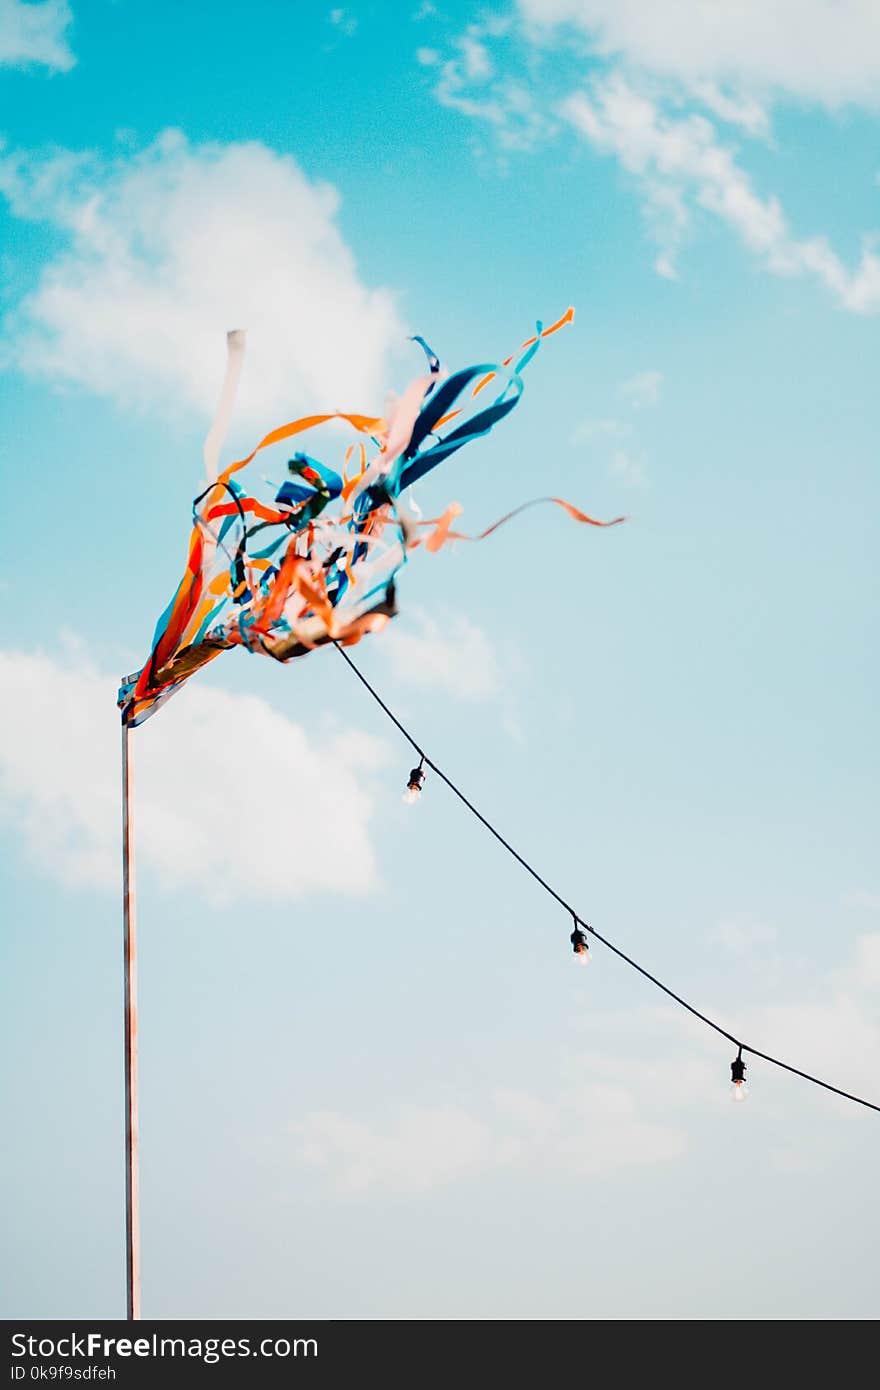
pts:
[738, 1090]
[579, 945]
[414, 785]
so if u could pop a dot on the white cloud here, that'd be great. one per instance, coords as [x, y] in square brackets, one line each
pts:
[600, 429]
[231, 797]
[837, 1041]
[867, 962]
[811, 49]
[475, 57]
[625, 465]
[344, 21]
[836, 1037]
[420, 1148]
[589, 1128]
[643, 390]
[641, 80]
[35, 34]
[741, 933]
[467, 84]
[682, 160]
[649, 1073]
[834, 1034]
[742, 111]
[871, 901]
[448, 654]
[171, 247]
[627, 469]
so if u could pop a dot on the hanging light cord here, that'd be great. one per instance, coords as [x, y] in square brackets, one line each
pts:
[710, 1023]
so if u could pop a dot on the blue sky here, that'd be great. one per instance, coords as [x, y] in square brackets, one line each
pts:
[373, 1084]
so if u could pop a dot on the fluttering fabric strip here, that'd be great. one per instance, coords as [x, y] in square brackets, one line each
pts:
[316, 559]
[214, 440]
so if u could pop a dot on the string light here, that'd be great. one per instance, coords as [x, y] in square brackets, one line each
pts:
[579, 944]
[737, 1067]
[739, 1089]
[415, 784]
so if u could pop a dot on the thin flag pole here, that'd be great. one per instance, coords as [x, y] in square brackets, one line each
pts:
[235, 347]
[132, 1196]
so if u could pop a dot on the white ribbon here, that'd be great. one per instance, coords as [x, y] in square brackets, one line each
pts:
[236, 339]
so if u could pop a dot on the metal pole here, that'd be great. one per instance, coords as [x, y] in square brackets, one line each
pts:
[132, 1199]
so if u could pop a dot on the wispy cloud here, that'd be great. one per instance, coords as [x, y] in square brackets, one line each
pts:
[837, 1040]
[591, 1127]
[867, 962]
[627, 469]
[681, 165]
[627, 463]
[643, 390]
[741, 933]
[808, 49]
[835, 1034]
[870, 901]
[626, 1094]
[170, 247]
[448, 654]
[345, 21]
[468, 83]
[234, 800]
[662, 89]
[742, 111]
[606, 428]
[36, 35]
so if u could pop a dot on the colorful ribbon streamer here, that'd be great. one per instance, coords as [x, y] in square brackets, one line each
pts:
[316, 562]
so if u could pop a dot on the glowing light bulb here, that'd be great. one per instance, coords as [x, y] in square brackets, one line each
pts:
[414, 785]
[579, 945]
[739, 1090]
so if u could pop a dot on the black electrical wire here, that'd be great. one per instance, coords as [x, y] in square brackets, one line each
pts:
[710, 1023]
